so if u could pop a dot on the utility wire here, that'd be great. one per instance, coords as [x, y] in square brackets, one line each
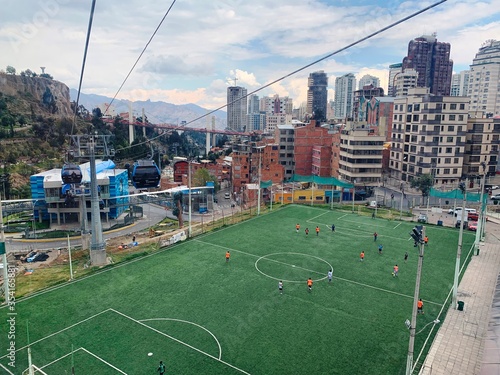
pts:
[305, 66]
[89, 28]
[142, 53]
[325, 57]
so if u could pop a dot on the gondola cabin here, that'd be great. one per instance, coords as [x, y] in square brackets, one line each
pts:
[145, 174]
[71, 174]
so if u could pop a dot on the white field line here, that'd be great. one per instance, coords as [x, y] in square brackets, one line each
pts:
[62, 330]
[103, 361]
[181, 342]
[188, 322]
[342, 216]
[397, 225]
[6, 369]
[315, 217]
[58, 359]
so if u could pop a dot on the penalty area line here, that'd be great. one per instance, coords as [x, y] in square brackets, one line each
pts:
[397, 225]
[180, 342]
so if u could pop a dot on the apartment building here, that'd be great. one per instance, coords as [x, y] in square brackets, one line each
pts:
[482, 145]
[361, 148]
[428, 136]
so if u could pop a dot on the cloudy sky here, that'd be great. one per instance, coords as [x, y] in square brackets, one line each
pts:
[203, 45]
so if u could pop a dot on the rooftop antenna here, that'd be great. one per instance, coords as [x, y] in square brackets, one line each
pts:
[43, 69]
[235, 79]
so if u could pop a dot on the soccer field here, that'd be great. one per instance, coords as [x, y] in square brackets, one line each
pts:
[202, 315]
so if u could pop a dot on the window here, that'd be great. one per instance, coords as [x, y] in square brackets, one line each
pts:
[462, 106]
[447, 171]
[416, 107]
[408, 118]
[449, 139]
[447, 160]
[460, 117]
[451, 117]
[409, 108]
[455, 170]
[424, 118]
[453, 106]
[415, 118]
[449, 150]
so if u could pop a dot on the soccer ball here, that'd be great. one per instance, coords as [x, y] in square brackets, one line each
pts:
[392, 274]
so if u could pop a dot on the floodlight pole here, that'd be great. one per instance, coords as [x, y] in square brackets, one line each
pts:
[70, 264]
[189, 198]
[353, 193]
[401, 203]
[459, 248]
[482, 211]
[411, 344]
[260, 177]
[4, 257]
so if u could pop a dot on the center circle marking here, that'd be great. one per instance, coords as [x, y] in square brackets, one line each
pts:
[292, 265]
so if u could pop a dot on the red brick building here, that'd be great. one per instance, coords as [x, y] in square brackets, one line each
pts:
[306, 138]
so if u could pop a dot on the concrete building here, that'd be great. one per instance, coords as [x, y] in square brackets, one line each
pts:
[344, 96]
[405, 81]
[63, 204]
[276, 119]
[284, 135]
[275, 104]
[360, 161]
[428, 136]
[256, 121]
[236, 108]
[394, 69]
[482, 145]
[460, 83]
[317, 95]
[368, 80]
[484, 79]
[431, 60]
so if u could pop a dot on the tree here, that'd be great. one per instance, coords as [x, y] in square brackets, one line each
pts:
[202, 176]
[423, 183]
[10, 70]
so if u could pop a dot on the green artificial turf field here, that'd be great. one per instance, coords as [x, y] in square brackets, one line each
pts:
[201, 315]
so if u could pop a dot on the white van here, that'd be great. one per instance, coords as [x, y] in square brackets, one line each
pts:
[458, 211]
[227, 196]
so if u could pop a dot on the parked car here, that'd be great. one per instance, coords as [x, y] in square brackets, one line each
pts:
[422, 218]
[473, 226]
[38, 257]
[457, 224]
[472, 216]
[495, 197]
[227, 195]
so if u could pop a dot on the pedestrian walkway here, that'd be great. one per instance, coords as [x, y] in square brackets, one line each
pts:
[459, 345]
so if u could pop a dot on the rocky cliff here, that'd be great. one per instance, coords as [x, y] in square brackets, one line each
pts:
[36, 95]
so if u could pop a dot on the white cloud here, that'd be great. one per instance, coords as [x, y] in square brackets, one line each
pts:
[202, 45]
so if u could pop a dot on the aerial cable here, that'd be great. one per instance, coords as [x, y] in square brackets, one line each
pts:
[324, 58]
[83, 63]
[369, 36]
[140, 55]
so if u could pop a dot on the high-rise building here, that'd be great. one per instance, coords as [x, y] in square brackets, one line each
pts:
[460, 83]
[253, 104]
[361, 99]
[431, 60]
[429, 136]
[482, 145]
[404, 81]
[394, 69]
[344, 96]
[236, 108]
[484, 76]
[367, 80]
[317, 95]
[275, 104]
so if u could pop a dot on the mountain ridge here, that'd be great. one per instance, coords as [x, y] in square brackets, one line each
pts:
[156, 111]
